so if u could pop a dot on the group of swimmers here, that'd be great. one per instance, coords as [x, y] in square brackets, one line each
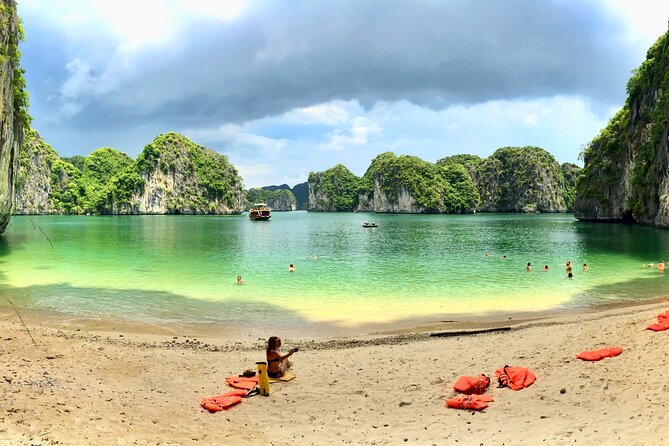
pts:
[291, 269]
[660, 265]
[568, 268]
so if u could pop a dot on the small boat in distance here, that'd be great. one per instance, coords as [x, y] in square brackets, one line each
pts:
[366, 224]
[259, 211]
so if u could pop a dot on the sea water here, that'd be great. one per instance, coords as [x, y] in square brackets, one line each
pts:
[183, 269]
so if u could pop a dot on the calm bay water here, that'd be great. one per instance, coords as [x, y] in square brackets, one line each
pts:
[183, 269]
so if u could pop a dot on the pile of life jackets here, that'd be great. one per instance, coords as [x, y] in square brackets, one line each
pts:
[244, 387]
[474, 387]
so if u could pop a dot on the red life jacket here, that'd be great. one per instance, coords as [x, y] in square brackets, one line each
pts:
[661, 324]
[515, 377]
[241, 382]
[470, 402]
[596, 355]
[222, 402]
[472, 384]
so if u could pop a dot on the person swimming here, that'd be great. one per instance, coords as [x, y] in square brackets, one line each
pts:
[239, 280]
[568, 267]
[660, 266]
[529, 267]
[546, 268]
[586, 268]
[291, 268]
[648, 265]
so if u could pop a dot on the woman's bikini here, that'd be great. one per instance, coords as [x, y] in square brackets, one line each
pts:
[278, 374]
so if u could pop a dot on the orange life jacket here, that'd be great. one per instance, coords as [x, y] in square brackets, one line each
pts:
[596, 355]
[223, 402]
[472, 384]
[469, 402]
[241, 382]
[661, 324]
[515, 377]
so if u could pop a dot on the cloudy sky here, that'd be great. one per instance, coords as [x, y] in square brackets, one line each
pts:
[288, 87]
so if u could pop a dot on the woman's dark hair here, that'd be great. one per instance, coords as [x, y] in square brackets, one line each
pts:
[272, 343]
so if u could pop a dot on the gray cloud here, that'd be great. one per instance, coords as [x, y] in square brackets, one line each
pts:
[275, 58]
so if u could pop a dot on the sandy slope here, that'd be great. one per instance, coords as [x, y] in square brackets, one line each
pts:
[86, 388]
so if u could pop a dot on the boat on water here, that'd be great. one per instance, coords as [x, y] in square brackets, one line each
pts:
[367, 224]
[260, 211]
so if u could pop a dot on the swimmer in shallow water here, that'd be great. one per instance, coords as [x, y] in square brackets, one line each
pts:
[239, 280]
[586, 268]
[546, 268]
[660, 266]
[291, 268]
[648, 265]
[529, 267]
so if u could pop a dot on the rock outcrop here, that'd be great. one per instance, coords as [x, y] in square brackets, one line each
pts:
[13, 107]
[42, 177]
[279, 199]
[513, 179]
[336, 189]
[300, 191]
[173, 175]
[626, 167]
[521, 179]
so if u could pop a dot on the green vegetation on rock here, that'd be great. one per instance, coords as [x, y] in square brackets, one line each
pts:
[336, 189]
[9, 52]
[436, 188]
[277, 199]
[624, 166]
[171, 175]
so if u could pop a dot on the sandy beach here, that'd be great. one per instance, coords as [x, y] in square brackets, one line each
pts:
[80, 386]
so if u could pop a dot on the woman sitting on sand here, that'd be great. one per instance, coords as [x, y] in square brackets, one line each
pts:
[277, 364]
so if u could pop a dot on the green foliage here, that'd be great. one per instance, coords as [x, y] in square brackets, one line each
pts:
[462, 159]
[634, 135]
[108, 180]
[271, 197]
[515, 176]
[570, 172]
[339, 185]
[77, 161]
[9, 52]
[67, 190]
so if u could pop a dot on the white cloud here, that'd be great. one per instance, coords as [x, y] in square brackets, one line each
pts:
[329, 113]
[359, 133]
[646, 20]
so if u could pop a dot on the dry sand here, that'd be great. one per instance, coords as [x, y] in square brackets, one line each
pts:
[82, 387]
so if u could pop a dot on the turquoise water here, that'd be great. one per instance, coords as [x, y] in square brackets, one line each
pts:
[183, 269]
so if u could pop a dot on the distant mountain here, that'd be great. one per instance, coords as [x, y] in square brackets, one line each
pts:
[300, 191]
[513, 179]
[172, 175]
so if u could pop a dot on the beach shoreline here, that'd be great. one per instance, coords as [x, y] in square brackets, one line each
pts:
[80, 386]
[318, 331]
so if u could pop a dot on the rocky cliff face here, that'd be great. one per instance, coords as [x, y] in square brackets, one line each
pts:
[13, 103]
[33, 187]
[173, 175]
[283, 203]
[336, 189]
[625, 175]
[521, 179]
[513, 179]
[277, 199]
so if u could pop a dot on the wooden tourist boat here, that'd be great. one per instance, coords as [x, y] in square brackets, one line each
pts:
[260, 211]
